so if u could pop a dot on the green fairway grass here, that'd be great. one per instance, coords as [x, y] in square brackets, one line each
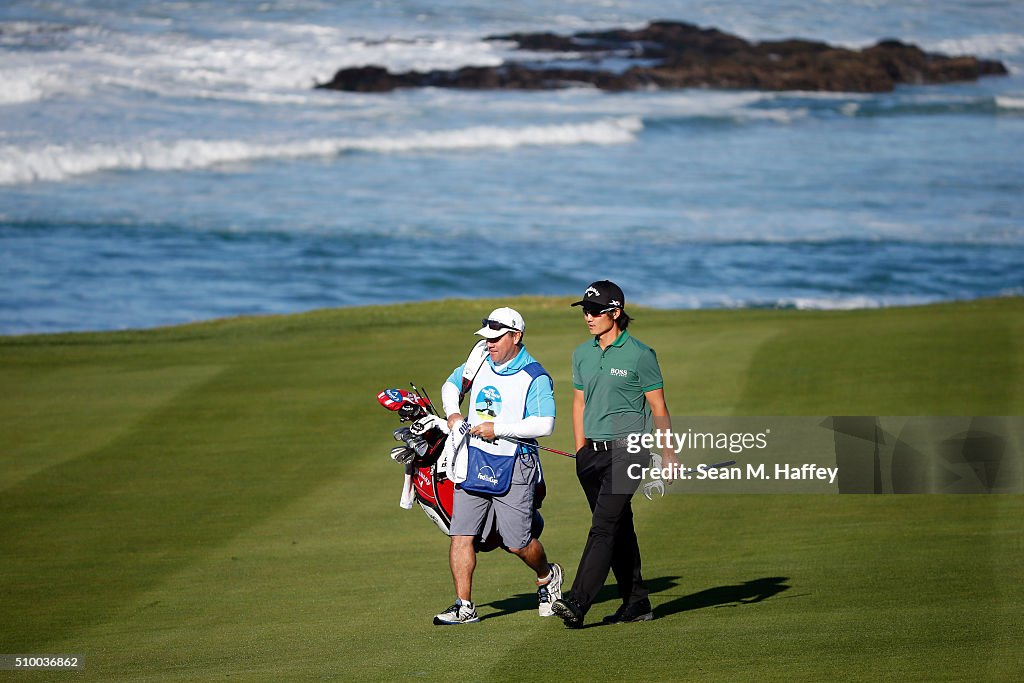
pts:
[216, 502]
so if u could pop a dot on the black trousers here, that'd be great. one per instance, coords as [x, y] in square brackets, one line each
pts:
[611, 543]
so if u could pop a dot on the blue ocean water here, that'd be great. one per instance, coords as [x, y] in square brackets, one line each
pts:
[164, 162]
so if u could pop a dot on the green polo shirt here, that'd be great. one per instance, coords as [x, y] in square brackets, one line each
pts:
[613, 382]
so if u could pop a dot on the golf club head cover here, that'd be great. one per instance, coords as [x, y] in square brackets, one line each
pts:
[409, 411]
[393, 399]
[428, 422]
[409, 406]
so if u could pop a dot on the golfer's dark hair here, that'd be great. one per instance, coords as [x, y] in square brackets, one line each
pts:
[623, 319]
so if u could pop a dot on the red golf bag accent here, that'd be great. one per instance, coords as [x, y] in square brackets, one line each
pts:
[433, 491]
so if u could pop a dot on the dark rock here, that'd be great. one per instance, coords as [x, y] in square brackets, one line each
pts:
[545, 42]
[367, 79]
[680, 55]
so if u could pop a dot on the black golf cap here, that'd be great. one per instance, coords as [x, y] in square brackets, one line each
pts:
[603, 293]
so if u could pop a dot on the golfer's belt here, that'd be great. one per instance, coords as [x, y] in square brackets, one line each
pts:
[607, 445]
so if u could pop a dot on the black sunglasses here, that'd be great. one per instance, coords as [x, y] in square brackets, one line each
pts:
[595, 312]
[496, 325]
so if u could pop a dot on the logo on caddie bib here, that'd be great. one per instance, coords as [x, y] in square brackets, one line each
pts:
[487, 474]
[488, 403]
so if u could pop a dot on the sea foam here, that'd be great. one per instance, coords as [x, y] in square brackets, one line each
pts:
[59, 162]
[1008, 102]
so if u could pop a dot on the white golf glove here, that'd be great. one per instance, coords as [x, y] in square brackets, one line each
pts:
[656, 485]
[652, 487]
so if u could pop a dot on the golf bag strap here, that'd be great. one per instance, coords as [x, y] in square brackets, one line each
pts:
[536, 370]
[467, 382]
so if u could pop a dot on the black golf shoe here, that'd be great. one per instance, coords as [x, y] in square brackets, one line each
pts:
[570, 612]
[638, 611]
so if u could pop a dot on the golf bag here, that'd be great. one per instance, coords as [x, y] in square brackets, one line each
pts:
[426, 481]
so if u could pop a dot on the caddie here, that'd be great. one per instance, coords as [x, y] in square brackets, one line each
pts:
[511, 404]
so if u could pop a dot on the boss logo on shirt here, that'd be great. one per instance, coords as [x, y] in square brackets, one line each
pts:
[619, 373]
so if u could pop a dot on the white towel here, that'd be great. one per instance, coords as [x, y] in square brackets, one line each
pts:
[408, 493]
[456, 455]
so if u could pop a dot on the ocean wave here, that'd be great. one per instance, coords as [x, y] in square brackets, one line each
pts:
[686, 107]
[590, 101]
[984, 45]
[262, 62]
[671, 110]
[29, 84]
[1010, 102]
[33, 34]
[884, 105]
[706, 300]
[269, 60]
[928, 105]
[59, 162]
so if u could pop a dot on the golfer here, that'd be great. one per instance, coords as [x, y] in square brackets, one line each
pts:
[618, 391]
[511, 396]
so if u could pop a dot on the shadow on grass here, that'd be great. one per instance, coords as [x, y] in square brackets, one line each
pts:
[528, 601]
[746, 593]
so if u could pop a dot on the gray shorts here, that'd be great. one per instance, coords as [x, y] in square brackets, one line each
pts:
[473, 514]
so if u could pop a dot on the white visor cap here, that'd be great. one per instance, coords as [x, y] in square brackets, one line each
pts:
[500, 321]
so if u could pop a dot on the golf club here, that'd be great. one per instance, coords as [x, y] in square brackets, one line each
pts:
[543, 448]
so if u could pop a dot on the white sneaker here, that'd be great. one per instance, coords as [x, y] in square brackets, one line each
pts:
[550, 591]
[459, 613]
